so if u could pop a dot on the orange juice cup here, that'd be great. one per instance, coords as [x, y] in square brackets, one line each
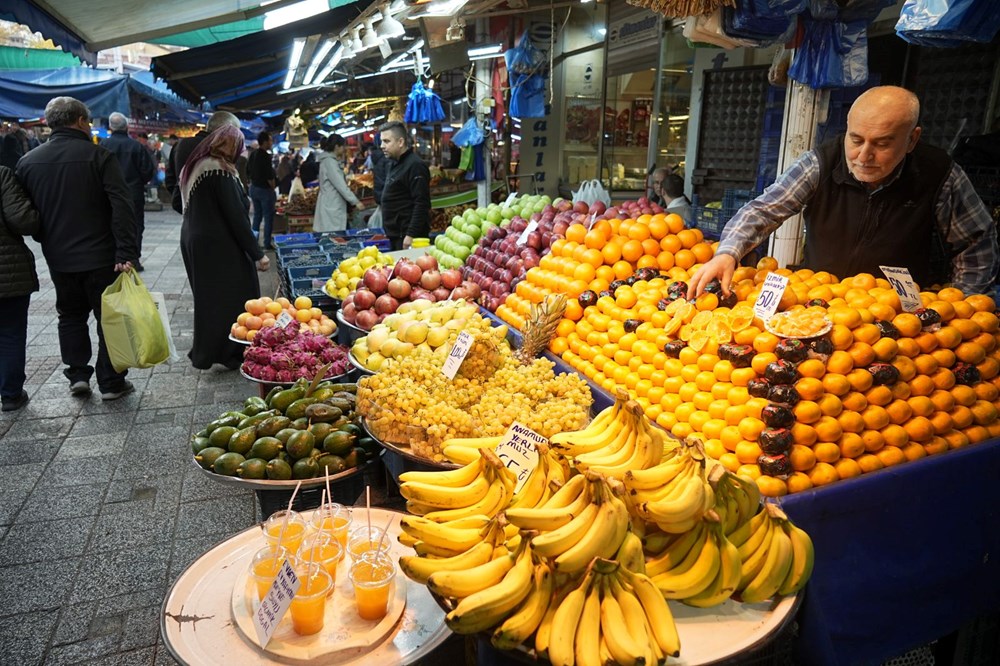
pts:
[333, 519]
[372, 577]
[362, 541]
[309, 605]
[324, 550]
[287, 536]
[265, 566]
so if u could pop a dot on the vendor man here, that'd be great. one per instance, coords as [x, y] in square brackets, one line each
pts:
[876, 202]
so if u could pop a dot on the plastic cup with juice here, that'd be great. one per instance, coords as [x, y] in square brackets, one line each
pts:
[264, 567]
[334, 519]
[324, 550]
[372, 576]
[289, 536]
[364, 539]
[308, 607]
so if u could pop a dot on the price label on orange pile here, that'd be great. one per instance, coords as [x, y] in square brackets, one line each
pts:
[275, 603]
[523, 238]
[903, 284]
[518, 451]
[770, 295]
[463, 343]
[283, 320]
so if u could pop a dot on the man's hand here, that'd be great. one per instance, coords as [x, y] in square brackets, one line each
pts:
[264, 263]
[360, 206]
[407, 242]
[722, 266]
[120, 268]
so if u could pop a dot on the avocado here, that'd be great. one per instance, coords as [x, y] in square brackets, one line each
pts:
[301, 424]
[252, 468]
[220, 436]
[285, 433]
[371, 446]
[278, 470]
[343, 404]
[298, 408]
[300, 444]
[283, 399]
[270, 394]
[320, 430]
[207, 456]
[335, 464]
[242, 440]
[322, 393]
[352, 428]
[258, 418]
[348, 387]
[323, 412]
[254, 405]
[199, 443]
[227, 464]
[223, 421]
[203, 433]
[265, 448]
[306, 468]
[338, 443]
[356, 457]
[269, 426]
[232, 414]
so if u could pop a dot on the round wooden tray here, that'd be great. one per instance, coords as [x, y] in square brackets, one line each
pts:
[331, 378]
[268, 484]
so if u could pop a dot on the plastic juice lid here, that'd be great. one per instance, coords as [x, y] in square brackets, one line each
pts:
[421, 242]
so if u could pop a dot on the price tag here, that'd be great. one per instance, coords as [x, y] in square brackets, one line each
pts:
[591, 221]
[510, 199]
[275, 603]
[902, 282]
[283, 320]
[458, 353]
[770, 296]
[523, 238]
[518, 451]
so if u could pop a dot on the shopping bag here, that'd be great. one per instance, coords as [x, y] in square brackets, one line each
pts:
[590, 192]
[133, 331]
[161, 308]
[528, 70]
[297, 189]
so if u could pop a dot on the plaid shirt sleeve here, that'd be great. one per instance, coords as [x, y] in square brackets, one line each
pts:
[783, 199]
[966, 225]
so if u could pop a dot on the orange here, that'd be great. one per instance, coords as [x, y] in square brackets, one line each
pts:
[926, 341]
[702, 252]
[984, 412]
[879, 395]
[594, 239]
[875, 417]
[623, 269]
[807, 411]
[908, 347]
[895, 435]
[943, 400]
[942, 422]
[987, 321]
[841, 336]
[812, 367]
[851, 422]
[968, 328]
[885, 349]
[862, 354]
[576, 233]
[943, 308]
[964, 395]
[803, 434]
[854, 401]
[860, 379]
[891, 455]
[798, 482]
[802, 458]
[873, 440]
[869, 463]
[748, 452]
[936, 445]
[769, 486]
[867, 333]
[685, 259]
[851, 445]
[823, 474]
[908, 324]
[827, 430]
[836, 383]
[914, 451]
[809, 388]
[847, 468]
[943, 378]
[976, 434]
[970, 353]
[765, 342]
[919, 429]
[840, 362]
[921, 405]
[750, 428]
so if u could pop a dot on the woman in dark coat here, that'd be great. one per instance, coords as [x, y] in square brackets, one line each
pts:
[18, 280]
[218, 248]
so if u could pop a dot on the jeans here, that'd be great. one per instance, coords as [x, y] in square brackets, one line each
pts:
[264, 200]
[77, 295]
[13, 337]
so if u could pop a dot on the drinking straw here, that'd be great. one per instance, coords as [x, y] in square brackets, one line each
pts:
[288, 512]
[329, 494]
[322, 512]
[368, 510]
[385, 531]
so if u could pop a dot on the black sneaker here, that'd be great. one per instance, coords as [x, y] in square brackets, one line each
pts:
[79, 389]
[114, 395]
[14, 404]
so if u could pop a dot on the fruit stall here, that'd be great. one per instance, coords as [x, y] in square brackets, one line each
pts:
[597, 469]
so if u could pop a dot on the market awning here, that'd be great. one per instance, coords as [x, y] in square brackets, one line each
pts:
[247, 68]
[26, 92]
[14, 57]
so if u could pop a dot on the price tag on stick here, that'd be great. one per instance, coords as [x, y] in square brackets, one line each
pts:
[770, 295]
[275, 603]
[283, 320]
[458, 353]
[902, 282]
[518, 451]
[523, 238]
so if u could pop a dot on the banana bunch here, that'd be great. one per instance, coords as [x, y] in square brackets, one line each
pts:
[701, 565]
[483, 487]
[673, 494]
[588, 520]
[777, 557]
[452, 546]
[613, 616]
[619, 439]
[737, 498]
[549, 475]
[465, 450]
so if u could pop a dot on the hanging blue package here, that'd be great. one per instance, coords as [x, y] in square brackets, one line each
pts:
[423, 106]
[947, 23]
[528, 71]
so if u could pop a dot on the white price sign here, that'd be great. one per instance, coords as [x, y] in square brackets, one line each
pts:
[770, 295]
[518, 451]
[523, 238]
[275, 603]
[902, 282]
[458, 353]
[283, 320]
[510, 199]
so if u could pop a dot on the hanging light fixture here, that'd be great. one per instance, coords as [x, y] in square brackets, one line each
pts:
[356, 41]
[348, 51]
[370, 40]
[390, 27]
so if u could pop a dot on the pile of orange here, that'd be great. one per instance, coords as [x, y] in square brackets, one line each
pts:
[264, 311]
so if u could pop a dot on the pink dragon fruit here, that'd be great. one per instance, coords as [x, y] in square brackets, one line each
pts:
[267, 374]
[285, 376]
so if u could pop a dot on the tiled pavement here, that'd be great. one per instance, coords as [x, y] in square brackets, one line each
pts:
[100, 509]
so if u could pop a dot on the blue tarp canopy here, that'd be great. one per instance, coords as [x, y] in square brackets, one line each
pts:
[24, 93]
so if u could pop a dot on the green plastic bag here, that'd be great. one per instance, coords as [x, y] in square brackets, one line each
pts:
[133, 330]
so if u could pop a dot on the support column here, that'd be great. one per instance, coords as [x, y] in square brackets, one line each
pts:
[483, 108]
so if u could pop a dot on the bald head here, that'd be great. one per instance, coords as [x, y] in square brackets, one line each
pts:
[117, 122]
[881, 130]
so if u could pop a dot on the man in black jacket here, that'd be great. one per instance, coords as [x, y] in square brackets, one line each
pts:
[137, 168]
[87, 235]
[260, 171]
[406, 195]
[183, 150]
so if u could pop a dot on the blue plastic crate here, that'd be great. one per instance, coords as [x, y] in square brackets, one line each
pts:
[709, 220]
[301, 272]
[304, 238]
[383, 244]
[286, 253]
[313, 288]
[367, 231]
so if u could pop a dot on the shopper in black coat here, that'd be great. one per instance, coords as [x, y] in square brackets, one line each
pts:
[406, 196]
[18, 280]
[137, 168]
[183, 150]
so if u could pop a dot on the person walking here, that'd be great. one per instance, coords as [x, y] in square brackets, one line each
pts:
[406, 195]
[18, 281]
[260, 171]
[138, 169]
[217, 246]
[87, 235]
[335, 197]
[183, 150]
[284, 174]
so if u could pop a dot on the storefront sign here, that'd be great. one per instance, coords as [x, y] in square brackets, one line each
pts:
[633, 29]
[770, 296]
[275, 603]
[902, 282]
[518, 451]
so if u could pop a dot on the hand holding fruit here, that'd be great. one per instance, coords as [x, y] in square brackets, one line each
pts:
[721, 266]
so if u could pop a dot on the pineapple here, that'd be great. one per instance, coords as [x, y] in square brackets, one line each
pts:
[540, 327]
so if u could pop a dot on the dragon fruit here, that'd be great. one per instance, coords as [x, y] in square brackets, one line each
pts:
[285, 376]
[283, 355]
[304, 373]
[267, 373]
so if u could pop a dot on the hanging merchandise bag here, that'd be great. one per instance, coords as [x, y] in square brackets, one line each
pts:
[471, 134]
[133, 331]
[423, 105]
[948, 23]
[528, 71]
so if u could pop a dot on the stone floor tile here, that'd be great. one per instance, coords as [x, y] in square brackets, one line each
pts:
[220, 515]
[48, 502]
[115, 573]
[20, 477]
[142, 628]
[22, 593]
[160, 493]
[83, 651]
[92, 446]
[30, 451]
[102, 424]
[44, 541]
[131, 529]
[28, 429]
[186, 551]
[26, 637]
[82, 471]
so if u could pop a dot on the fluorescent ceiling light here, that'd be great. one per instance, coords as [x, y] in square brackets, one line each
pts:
[442, 8]
[485, 50]
[331, 64]
[296, 12]
[293, 62]
[318, 57]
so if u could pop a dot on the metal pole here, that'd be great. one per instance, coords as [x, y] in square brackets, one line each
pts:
[484, 103]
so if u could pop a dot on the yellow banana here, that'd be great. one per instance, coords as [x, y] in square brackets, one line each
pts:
[544, 631]
[621, 643]
[487, 608]
[803, 557]
[635, 617]
[446, 497]
[424, 549]
[678, 551]
[618, 447]
[726, 580]
[450, 536]
[661, 620]
[418, 509]
[596, 427]
[420, 568]
[756, 537]
[587, 640]
[566, 493]
[740, 535]
[580, 444]
[460, 455]
[452, 478]
[493, 502]
[474, 443]
[554, 543]
[460, 584]
[407, 540]
[779, 560]
[562, 633]
[658, 476]
[526, 619]
[535, 485]
[643, 455]
[752, 563]
[656, 541]
[685, 506]
[601, 540]
[630, 553]
[548, 518]
[669, 491]
[677, 584]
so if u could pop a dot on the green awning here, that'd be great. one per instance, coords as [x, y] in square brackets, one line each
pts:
[12, 57]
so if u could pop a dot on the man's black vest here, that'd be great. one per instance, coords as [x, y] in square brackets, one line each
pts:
[850, 231]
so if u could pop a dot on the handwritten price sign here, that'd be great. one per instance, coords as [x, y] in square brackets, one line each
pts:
[770, 296]
[903, 284]
[518, 451]
[458, 353]
[275, 603]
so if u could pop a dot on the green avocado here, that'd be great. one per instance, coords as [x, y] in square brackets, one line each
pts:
[285, 433]
[265, 448]
[306, 468]
[297, 409]
[227, 464]
[199, 443]
[320, 430]
[220, 436]
[335, 464]
[301, 444]
[338, 443]
[283, 399]
[254, 405]
[252, 468]
[208, 456]
[269, 426]
[278, 470]
[242, 440]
